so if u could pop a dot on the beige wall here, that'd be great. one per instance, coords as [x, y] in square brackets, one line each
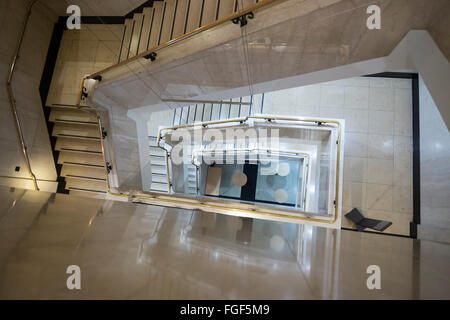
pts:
[26, 89]
[83, 52]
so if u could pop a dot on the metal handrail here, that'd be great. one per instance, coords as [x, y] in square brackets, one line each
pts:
[12, 100]
[268, 118]
[221, 205]
[297, 153]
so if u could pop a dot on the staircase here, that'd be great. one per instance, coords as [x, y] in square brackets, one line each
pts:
[189, 115]
[169, 19]
[77, 134]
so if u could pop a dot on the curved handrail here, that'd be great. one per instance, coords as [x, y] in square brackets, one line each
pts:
[268, 118]
[297, 153]
[12, 100]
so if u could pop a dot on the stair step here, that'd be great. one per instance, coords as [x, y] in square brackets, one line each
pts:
[156, 151]
[68, 107]
[126, 39]
[159, 170]
[180, 19]
[226, 8]
[159, 178]
[158, 161]
[169, 14]
[194, 16]
[160, 187]
[78, 146]
[83, 172]
[156, 25]
[73, 116]
[83, 184]
[243, 4]
[146, 28]
[75, 131]
[136, 36]
[209, 12]
[87, 194]
[80, 158]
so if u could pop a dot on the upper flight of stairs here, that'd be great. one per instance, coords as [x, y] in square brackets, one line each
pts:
[77, 133]
[169, 19]
[188, 115]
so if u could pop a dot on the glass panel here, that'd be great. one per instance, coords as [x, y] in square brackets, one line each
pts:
[227, 187]
[210, 71]
[284, 186]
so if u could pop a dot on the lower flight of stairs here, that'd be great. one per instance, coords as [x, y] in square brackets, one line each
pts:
[79, 150]
[189, 115]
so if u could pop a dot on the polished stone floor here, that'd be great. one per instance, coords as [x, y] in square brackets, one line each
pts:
[134, 251]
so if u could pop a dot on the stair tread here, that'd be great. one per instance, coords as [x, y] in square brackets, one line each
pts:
[135, 37]
[158, 161]
[76, 145]
[75, 131]
[77, 116]
[180, 19]
[209, 12]
[193, 21]
[126, 39]
[85, 184]
[226, 8]
[158, 178]
[159, 170]
[78, 158]
[156, 25]
[243, 4]
[83, 172]
[87, 194]
[146, 28]
[169, 13]
[159, 187]
[68, 107]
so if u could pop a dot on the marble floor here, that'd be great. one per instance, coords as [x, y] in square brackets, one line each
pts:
[134, 251]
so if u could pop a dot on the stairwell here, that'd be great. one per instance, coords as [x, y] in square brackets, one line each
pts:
[76, 131]
[235, 108]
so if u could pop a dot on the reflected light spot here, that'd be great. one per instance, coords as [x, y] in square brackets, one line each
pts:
[280, 196]
[277, 243]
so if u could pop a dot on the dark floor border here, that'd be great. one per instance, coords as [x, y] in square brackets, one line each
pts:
[416, 142]
[380, 233]
[44, 88]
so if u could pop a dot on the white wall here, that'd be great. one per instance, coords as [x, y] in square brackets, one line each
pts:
[434, 170]
[378, 140]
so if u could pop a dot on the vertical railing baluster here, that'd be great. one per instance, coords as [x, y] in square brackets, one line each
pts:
[262, 103]
[174, 115]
